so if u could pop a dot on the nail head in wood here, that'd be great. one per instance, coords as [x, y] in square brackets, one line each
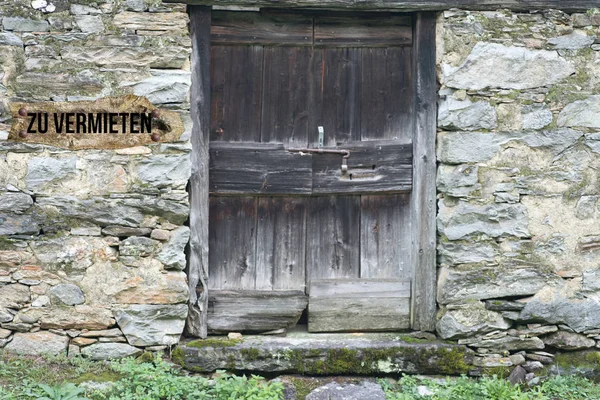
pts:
[23, 112]
[155, 137]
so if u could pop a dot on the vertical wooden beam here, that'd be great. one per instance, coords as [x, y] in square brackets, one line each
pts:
[200, 21]
[423, 207]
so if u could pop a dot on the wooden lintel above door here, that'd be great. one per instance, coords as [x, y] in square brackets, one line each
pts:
[277, 28]
[405, 5]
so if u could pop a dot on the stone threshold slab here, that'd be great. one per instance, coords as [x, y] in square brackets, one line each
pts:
[306, 353]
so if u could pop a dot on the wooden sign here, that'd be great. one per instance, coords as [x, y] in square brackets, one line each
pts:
[107, 123]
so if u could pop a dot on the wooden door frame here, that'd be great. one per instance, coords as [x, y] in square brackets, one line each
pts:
[197, 268]
[423, 205]
[423, 195]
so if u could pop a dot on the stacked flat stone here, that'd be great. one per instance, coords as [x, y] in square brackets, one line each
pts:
[518, 182]
[92, 241]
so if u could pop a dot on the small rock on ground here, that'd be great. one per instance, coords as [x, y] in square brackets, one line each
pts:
[335, 391]
[517, 375]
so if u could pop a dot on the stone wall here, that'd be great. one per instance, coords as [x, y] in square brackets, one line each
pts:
[519, 182]
[92, 241]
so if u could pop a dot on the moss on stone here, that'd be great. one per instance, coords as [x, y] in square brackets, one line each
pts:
[501, 28]
[577, 190]
[566, 92]
[6, 243]
[578, 359]
[339, 361]
[250, 353]
[231, 364]
[18, 10]
[214, 342]
[412, 339]
[178, 356]
[586, 52]
[145, 357]
[451, 361]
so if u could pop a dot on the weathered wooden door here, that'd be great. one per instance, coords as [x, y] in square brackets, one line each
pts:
[291, 95]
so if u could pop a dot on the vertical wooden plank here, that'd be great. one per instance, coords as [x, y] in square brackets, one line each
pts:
[386, 93]
[232, 257]
[197, 269]
[281, 237]
[280, 243]
[335, 94]
[423, 196]
[281, 222]
[236, 92]
[285, 95]
[385, 237]
[266, 237]
[333, 243]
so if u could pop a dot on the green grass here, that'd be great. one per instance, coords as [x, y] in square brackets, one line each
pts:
[491, 388]
[128, 379]
[61, 378]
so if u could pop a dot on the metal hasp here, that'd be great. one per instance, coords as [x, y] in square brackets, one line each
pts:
[321, 137]
[346, 154]
[321, 150]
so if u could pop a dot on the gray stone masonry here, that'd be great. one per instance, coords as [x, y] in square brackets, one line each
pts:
[79, 272]
[92, 241]
[518, 181]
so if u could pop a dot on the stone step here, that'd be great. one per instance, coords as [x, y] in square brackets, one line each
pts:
[326, 354]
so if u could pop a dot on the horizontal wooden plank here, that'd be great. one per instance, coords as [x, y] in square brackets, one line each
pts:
[364, 31]
[337, 305]
[254, 310]
[269, 169]
[373, 167]
[406, 5]
[332, 314]
[351, 288]
[260, 28]
[385, 151]
[252, 168]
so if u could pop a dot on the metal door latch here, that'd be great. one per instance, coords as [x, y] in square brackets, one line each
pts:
[321, 150]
